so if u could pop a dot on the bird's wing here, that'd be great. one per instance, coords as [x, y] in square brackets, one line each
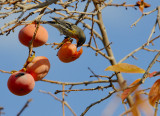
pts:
[63, 23]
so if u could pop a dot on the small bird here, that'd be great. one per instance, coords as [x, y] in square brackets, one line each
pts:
[69, 29]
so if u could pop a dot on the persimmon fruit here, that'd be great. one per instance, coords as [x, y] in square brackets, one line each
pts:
[20, 83]
[68, 52]
[27, 32]
[38, 67]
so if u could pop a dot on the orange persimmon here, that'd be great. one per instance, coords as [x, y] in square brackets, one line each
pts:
[27, 32]
[38, 67]
[68, 52]
[20, 83]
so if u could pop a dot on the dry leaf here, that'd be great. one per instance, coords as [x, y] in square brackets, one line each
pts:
[127, 92]
[155, 73]
[141, 103]
[125, 68]
[141, 4]
[154, 94]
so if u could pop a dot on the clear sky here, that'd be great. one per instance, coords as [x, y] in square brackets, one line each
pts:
[125, 39]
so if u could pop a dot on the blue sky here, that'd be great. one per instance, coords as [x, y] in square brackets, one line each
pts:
[117, 21]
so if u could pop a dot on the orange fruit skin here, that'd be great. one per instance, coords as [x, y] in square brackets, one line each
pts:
[27, 32]
[38, 67]
[20, 83]
[68, 52]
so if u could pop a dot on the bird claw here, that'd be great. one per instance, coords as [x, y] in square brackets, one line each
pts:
[64, 41]
[58, 46]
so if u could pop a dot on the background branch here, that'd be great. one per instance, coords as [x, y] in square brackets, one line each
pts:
[24, 107]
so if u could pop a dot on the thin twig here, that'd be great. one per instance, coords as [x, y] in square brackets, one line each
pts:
[5, 71]
[109, 51]
[144, 14]
[149, 67]
[156, 108]
[158, 16]
[89, 43]
[145, 75]
[136, 50]
[78, 83]
[125, 107]
[63, 88]
[24, 107]
[30, 47]
[82, 15]
[1, 108]
[94, 73]
[65, 103]
[153, 30]
[134, 24]
[150, 50]
[100, 52]
[102, 76]
[97, 102]
[91, 89]
[126, 112]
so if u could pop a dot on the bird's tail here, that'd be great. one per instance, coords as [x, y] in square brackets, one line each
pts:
[54, 21]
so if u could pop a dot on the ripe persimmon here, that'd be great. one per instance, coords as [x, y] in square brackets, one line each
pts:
[27, 32]
[20, 83]
[68, 52]
[38, 67]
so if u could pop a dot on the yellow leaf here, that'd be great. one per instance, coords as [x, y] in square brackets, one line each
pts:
[127, 92]
[141, 104]
[154, 94]
[125, 68]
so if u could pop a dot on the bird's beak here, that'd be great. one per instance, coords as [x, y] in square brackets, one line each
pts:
[77, 43]
[78, 46]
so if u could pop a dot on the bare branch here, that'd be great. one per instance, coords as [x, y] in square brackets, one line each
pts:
[156, 108]
[97, 102]
[63, 89]
[144, 14]
[78, 83]
[5, 71]
[1, 108]
[91, 89]
[153, 30]
[65, 103]
[149, 67]
[24, 107]
[98, 51]
[106, 42]
[158, 16]
[136, 50]
[35, 6]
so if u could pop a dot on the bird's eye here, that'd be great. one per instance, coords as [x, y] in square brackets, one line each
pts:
[69, 26]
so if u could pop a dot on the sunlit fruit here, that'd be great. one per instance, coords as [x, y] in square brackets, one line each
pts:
[68, 52]
[38, 67]
[27, 32]
[20, 83]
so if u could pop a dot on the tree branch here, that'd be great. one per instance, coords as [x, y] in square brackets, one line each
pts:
[109, 50]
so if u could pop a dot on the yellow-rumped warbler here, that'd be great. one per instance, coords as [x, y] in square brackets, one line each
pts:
[69, 29]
